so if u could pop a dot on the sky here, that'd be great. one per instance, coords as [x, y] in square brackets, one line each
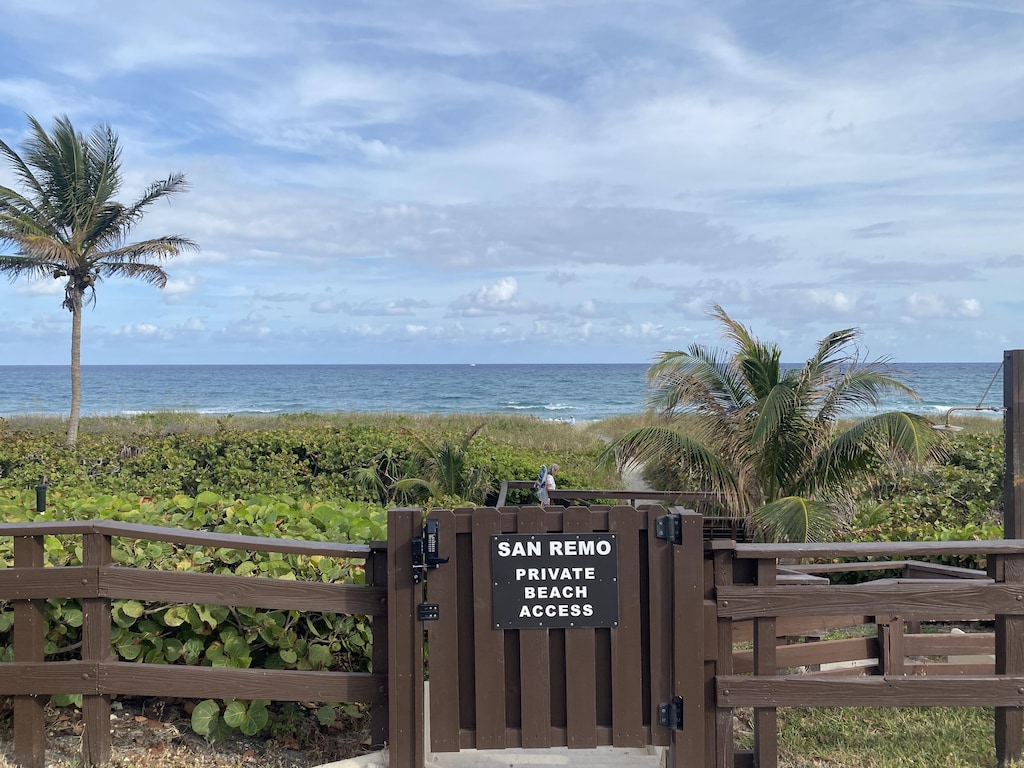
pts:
[516, 181]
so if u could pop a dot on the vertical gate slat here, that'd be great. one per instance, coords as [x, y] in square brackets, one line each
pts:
[659, 567]
[688, 641]
[535, 660]
[489, 642]
[627, 677]
[580, 660]
[465, 630]
[405, 654]
[443, 647]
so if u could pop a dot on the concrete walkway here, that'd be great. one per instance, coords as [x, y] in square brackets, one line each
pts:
[603, 757]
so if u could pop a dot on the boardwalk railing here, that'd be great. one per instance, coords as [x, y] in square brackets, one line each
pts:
[98, 675]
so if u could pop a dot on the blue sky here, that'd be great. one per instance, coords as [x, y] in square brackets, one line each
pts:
[539, 180]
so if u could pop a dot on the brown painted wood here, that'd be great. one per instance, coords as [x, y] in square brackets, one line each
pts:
[96, 551]
[864, 550]
[580, 660]
[626, 692]
[29, 634]
[798, 626]
[466, 631]
[255, 592]
[1010, 630]
[1013, 443]
[890, 646]
[226, 683]
[377, 576]
[946, 644]
[187, 537]
[41, 679]
[710, 665]
[933, 668]
[811, 654]
[766, 721]
[443, 639]
[910, 568]
[659, 566]
[489, 651]
[947, 597]
[1009, 642]
[873, 691]
[534, 661]
[32, 583]
[724, 753]
[405, 656]
[688, 642]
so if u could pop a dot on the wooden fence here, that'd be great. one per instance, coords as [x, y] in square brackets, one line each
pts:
[30, 680]
[761, 592]
[492, 688]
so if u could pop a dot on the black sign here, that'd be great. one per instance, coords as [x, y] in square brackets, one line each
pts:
[547, 580]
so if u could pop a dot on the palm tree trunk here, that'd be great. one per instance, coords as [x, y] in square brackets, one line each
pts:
[76, 368]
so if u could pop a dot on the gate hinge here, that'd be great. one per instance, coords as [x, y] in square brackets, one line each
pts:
[670, 714]
[669, 527]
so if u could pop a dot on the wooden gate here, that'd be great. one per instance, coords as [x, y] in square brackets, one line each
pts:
[628, 685]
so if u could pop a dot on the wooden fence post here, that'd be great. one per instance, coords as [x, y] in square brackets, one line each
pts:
[724, 569]
[29, 635]
[766, 720]
[1009, 721]
[96, 647]
[405, 643]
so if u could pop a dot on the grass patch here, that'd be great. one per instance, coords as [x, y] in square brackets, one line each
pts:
[899, 737]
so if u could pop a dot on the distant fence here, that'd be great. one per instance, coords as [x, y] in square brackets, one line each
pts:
[97, 676]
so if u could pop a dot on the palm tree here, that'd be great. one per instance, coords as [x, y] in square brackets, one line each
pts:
[446, 473]
[769, 440]
[67, 224]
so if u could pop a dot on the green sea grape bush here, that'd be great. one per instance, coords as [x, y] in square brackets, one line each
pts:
[201, 634]
[322, 461]
[958, 499]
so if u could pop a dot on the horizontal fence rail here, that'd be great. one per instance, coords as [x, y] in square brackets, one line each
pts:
[764, 593]
[98, 675]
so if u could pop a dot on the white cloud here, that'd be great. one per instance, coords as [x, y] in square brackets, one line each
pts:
[463, 176]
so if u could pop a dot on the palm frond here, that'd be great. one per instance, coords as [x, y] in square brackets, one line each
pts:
[796, 519]
[148, 273]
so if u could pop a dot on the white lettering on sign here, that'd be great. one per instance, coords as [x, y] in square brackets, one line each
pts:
[554, 574]
[554, 593]
[554, 580]
[551, 611]
[572, 548]
[519, 549]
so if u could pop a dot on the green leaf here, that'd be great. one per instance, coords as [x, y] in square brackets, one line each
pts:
[205, 716]
[235, 713]
[327, 715]
[132, 608]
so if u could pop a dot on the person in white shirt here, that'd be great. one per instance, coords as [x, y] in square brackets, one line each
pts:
[547, 485]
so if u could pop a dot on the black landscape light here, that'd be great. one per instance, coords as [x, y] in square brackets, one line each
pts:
[41, 495]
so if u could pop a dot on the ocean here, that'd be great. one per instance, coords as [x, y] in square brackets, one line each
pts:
[583, 391]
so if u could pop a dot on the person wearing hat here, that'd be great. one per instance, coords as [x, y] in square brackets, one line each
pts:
[547, 485]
